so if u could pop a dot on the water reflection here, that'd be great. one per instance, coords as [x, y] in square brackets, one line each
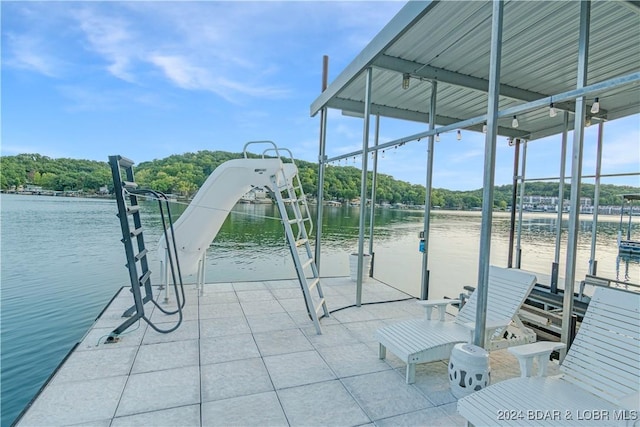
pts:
[624, 266]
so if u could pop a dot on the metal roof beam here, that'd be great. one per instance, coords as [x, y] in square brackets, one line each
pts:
[476, 122]
[632, 5]
[351, 106]
[411, 13]
[432, 73]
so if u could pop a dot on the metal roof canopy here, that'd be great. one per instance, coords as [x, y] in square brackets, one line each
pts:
[449, 41]
[487, 62]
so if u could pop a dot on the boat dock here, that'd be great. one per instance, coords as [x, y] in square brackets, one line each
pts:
[248, 354]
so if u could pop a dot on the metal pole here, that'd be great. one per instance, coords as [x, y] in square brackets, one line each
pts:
[514, 200]
[576, 170]
[374, 176]
[321, 165]
[563, 161]
[489, 171]
[363, 183]
[424, 293]
[593, 264]
[524, 166]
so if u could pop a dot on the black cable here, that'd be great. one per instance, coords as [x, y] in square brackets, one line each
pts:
[369, 303]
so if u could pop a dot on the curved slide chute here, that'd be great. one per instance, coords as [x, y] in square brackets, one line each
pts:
[201, 221]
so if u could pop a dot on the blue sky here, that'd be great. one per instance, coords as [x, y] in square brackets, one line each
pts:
[149, 79]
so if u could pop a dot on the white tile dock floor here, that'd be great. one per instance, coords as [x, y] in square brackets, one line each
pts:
[247, 354]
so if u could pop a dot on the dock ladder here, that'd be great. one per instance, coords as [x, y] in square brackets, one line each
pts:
[134, 246]
[296, 219]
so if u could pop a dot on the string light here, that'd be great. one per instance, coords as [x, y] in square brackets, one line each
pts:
[484, 128]
[459, 136]
[587, 122]
[514, 122]
[595, 108]
[552, 111]
[354, 160]
[383, 154]
[437, 137]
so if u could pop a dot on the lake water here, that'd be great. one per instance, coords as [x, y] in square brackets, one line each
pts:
[62, 261]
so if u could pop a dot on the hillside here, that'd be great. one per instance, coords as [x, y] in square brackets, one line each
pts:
[183, 174]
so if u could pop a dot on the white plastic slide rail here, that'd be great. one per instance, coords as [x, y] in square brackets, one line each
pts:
[200, 222]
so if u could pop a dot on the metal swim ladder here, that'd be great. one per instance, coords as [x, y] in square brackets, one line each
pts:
[137, 263]
[296, 217]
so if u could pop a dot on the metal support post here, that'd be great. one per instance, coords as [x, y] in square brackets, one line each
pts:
[514, 200]
[374, 178]
[522, 180]
[321, 165]
[489, 171]
[576, 176]
[555, 267]
[363, 183]
[596, 203]
[424, 290]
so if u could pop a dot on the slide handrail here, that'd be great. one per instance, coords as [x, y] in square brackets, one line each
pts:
[275, 147]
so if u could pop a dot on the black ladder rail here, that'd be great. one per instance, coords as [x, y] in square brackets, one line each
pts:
[161, 197]
[140, 280]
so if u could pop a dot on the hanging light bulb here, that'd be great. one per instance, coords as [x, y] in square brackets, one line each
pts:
[484, 128]
[354, 160]
[595, 108]
[405, 81]
[514, 122]
[459, 136]
[383, 154]
[552, 111]
[437, 137]
[587, 122]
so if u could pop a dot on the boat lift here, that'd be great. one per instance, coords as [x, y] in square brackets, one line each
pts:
[627, 246]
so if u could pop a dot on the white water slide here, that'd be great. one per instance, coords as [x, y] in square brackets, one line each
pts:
[200, 222]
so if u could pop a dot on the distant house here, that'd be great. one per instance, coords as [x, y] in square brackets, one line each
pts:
[256, 195]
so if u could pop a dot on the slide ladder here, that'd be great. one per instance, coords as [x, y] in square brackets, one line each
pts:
[296, 217]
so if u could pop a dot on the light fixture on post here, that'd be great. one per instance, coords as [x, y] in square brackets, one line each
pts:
[405, 80]
[595, 108]
[459, 136]
[514, 122]
[552, 110]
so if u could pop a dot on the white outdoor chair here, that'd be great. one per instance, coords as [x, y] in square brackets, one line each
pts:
[426, 340]
[600, 375]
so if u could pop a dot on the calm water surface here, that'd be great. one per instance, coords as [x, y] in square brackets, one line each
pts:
[62, 261]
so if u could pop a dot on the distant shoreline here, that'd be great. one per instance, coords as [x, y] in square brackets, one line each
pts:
[326, 204]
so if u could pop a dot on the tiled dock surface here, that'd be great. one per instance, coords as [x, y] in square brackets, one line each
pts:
[247, 354]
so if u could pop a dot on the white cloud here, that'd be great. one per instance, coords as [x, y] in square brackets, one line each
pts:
[110, 37]
[29, 53]
[178, 70]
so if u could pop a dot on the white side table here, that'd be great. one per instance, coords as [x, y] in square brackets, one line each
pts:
[469, 369]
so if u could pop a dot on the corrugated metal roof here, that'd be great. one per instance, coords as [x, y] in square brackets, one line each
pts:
[449, 41]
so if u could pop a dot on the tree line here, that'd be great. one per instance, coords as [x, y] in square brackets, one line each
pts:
[183, 174]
